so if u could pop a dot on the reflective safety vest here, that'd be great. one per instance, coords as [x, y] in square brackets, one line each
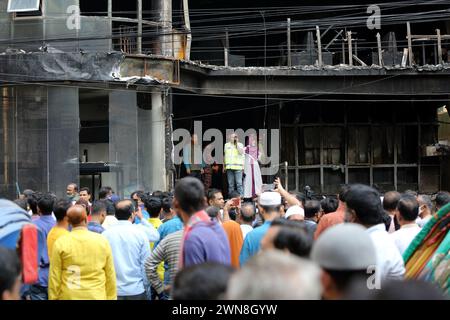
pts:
[233, 159]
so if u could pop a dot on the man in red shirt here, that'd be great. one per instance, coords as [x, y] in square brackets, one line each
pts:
[333, 218]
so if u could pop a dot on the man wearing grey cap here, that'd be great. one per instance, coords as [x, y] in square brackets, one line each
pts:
[269, 205]
[345, 253]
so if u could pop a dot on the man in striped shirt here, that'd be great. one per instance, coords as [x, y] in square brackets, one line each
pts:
[168, 250]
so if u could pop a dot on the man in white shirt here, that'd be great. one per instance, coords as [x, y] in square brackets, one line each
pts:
[425, 209]
[407, 212]
[364, 207]
[246, 217]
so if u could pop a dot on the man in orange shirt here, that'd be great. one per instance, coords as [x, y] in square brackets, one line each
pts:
[333, 218]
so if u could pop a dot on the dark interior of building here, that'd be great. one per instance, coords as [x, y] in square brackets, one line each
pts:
[329, 142]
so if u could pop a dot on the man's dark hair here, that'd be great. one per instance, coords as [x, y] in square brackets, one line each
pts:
[138, 193]
[190, 193]
[293, 236]
[84, 203]
[75, 186]
[86, 189]
[153, 206]
[32, 202]
[167, 204]
[22, 203]
[408, 207]
[329, 204]
[124, 209]
[110, 209]
[366, 203]
[60, 209]
[212, 194]
[342, 196]
[45, 204]
[442, 198]
[390, 200]
[98, 207]
[158, 194]
[10, 269]
[312, 208]
[103, 193]
[246, 217]
[212, 211]
[234, 194]
[207, 281]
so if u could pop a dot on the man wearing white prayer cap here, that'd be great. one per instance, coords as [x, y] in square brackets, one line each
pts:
[346, 253]
[295, 213]
[269, 206]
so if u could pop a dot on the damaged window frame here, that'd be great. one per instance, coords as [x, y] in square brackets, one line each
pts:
[26, 14]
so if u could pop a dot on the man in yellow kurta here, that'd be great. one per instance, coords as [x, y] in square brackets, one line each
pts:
[81, 264]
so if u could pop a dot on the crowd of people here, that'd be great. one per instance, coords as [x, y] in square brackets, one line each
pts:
[193, 244]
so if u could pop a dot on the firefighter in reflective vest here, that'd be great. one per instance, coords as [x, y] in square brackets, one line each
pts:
[234, 164]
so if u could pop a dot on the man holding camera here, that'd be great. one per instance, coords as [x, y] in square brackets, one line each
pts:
[234, 164]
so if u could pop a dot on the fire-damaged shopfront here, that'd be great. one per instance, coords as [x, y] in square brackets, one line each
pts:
[93, 90]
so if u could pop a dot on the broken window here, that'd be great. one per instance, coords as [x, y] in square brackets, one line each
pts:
[407, 179]
[288, 145]
[332, 180]
[428, 135]
[429, 178]
[407, 146]
[309, 177]
[357, 175]
[383, 179]
[23, 5]
[358, 145]
[94, 8]
[383, 145]
[333, 138]
[125, 9]
[309, 146]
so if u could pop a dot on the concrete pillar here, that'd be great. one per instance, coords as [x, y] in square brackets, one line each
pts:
[158, 158]
[164, 7]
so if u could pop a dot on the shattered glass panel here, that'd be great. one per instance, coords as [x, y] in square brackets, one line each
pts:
[63, 138]
[23, 5]
[123, 141]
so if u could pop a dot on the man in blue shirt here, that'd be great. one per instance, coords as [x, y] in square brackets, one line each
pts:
[269, 204]
[98, 215]
[173, 225]
[203, 240]
[130, 248]
[39, 290]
